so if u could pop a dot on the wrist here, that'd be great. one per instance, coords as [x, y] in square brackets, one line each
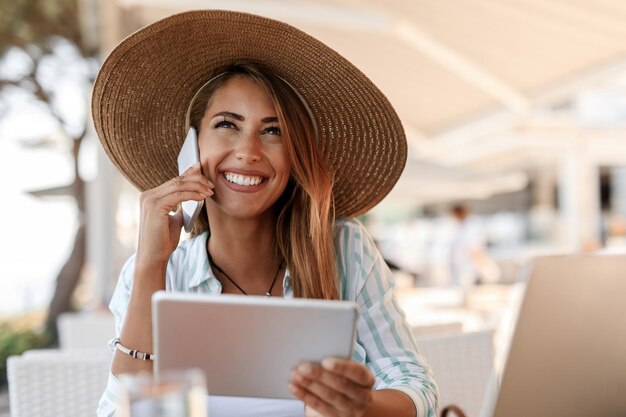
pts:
[151, 260]
[149, 277]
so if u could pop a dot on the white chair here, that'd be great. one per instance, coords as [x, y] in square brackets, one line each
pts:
[85, 329]
[436, 329]
[463, 365]
[57, 383]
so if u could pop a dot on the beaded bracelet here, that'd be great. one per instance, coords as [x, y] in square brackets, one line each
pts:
[137, 354]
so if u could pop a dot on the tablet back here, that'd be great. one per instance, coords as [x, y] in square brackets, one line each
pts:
[248, 346]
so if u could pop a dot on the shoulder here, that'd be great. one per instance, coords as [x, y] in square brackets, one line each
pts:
[349, 231]
[356, 255]
[352, 238]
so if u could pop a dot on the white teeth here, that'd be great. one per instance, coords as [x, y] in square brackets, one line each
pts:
[242, 180]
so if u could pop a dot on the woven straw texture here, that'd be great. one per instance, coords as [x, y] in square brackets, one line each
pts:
[142, 91]
[57, 383]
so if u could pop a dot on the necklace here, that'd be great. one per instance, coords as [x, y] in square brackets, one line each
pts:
[221, 271]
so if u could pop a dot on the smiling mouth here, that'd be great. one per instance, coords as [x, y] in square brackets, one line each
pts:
[244, 180]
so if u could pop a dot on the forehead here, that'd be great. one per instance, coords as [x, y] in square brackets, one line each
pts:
[243, 94]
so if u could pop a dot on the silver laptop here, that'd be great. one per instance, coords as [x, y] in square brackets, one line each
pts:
[247, 346]
[567, 357]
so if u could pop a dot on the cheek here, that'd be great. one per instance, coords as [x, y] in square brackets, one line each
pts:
[209, 159]
[283, 162]
[283, 173]
[285, 177]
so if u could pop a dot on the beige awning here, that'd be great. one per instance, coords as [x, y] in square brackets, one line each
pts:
[443, 62]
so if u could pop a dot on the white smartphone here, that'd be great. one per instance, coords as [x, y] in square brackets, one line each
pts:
[188, 156]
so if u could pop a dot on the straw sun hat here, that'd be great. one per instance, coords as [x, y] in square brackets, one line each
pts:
[144, 88]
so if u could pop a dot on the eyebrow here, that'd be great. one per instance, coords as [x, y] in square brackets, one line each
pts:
[269, 119]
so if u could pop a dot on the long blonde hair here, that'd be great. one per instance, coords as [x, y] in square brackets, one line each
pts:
[304, 218]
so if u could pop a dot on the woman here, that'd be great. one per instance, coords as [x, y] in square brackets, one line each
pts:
[291, 141]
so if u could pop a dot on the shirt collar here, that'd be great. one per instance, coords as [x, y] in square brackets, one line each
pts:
[204, 273]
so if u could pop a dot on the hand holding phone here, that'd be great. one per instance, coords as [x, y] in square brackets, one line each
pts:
[188, 156]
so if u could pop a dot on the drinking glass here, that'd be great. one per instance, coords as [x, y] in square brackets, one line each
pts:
[181, 393]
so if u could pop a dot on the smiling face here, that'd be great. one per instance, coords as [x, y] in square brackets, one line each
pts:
[242, 150]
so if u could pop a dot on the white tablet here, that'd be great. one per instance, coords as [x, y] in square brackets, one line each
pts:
[248, 345]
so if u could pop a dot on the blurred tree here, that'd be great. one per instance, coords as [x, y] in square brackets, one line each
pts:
[33, 29]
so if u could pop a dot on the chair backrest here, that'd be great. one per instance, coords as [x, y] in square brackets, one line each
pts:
[462, 364]
[85, 330]
[437, 329]
[46, 383]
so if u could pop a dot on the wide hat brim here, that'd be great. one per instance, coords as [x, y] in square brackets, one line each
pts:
[142, 92]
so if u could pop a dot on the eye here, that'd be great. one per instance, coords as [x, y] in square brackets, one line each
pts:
[272, 130]
[225, 123]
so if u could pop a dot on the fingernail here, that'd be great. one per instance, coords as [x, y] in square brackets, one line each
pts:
[305, 369]
[328, 363]
[292, 388]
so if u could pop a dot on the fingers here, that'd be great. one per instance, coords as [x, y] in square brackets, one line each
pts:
[192, 181]
[351, 370]
[346, 388]
[165, 198]
[314, 393]
[180, 191]
[311, 375]
[194, 173]
[195, 169]
[320, 407]
[167, 202]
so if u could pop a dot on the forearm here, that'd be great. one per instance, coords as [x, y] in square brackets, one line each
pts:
[390, 402]
[136, 332]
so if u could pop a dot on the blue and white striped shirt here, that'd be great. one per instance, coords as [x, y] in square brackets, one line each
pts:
[384, 341]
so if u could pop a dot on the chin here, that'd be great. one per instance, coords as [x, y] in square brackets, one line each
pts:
[245, 212]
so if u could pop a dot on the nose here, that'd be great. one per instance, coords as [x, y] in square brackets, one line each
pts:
[249, 150]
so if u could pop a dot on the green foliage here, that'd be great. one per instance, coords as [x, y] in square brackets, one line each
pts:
[14, 341]
[32, 26]
[24, 22]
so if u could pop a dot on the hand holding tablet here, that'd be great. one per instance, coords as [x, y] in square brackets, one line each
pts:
[248, 346]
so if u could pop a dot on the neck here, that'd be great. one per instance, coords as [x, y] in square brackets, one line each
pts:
[246, 250]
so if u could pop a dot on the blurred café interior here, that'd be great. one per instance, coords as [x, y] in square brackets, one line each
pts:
[515, 115]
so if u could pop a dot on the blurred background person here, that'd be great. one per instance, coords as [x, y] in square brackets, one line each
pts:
[470, 262]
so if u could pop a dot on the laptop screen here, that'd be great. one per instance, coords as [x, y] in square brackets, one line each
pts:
[567, 357]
